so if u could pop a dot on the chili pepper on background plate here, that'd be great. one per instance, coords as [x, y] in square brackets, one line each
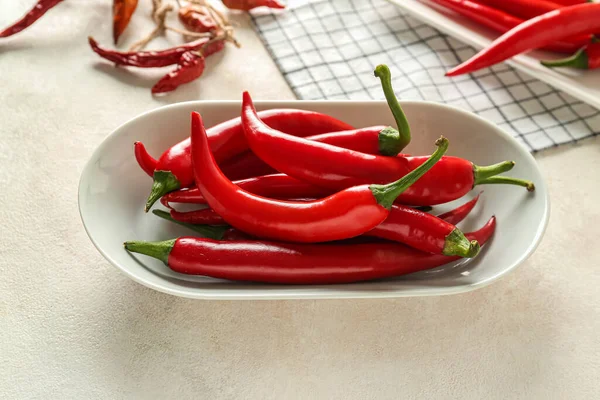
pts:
[173, 170]
[343, 215]
[289, 263]
[501, 21]
[587, 57]
[37, 12]
[534, 33]
[247, 5]
[523, 8]
[122, 12]
[332, 167]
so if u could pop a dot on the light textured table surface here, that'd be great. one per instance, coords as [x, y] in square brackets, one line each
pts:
[72, 326]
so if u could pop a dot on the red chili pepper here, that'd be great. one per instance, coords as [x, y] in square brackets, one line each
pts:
[332, 167]
[247, 5]
[276, 186]
[587, 57]
[145, 160]
[458, 214]
[289, 263]
[372, 140]
[535, 33]
[150, 58]
[342, 215]
[500, 21]
[40, 8]
[206, 216]
[190, 67]
[571, 2]
[197, 18]
[174, 167]
[523, 8]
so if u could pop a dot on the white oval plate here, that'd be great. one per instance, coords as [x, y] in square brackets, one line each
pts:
[113, 190]
[584, 85]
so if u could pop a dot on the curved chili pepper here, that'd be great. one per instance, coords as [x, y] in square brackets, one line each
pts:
[247, 5]
[38, 11]
[174, 167]
[276, 186]
[587, 57]
[523, 8]
[122, 12]
[342, 215]
[537, 32]
[190, 67]
[501, 21]
[458, 214]
[304, 159]
[197, 18]
[145, 160]
[150, 58]
[289, 263]
[373, 140]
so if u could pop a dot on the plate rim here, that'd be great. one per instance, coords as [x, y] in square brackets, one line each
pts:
[330, 291]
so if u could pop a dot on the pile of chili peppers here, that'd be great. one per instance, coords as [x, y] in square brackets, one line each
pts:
[205, 27]
[297, 197]
[564, 26]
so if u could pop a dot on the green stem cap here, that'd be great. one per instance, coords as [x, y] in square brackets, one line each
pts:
[383, 72]
[387, 194]
[456, 244]
[578, 60]
[164, 182]
[158, 250]
[208, 231]
[390, 142]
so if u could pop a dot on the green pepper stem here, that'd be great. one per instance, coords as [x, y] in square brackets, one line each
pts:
[507, 180]
[390, 143]
[578, 60]
[158, 250]
[164, 182]
[383, 72]
[456, 244]
[208, 231]
[387, 194]
[482, 173]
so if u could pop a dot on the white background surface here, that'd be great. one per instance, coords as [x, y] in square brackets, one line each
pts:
[72, 326]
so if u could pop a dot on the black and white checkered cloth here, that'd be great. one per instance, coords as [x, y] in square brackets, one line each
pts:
[328, 49]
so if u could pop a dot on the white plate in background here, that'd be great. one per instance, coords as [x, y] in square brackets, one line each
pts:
[113, 191]
[584, 85]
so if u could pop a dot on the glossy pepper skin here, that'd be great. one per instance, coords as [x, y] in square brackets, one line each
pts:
[174, 167]
[501, 21]
[37, 12]
[343, 215]
[525, 9]
[537, 32]
[587, 57]
[277, 186]
[335, 168]
[306, 264]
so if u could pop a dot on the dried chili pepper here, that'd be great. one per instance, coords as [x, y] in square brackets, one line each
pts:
[343, 215]
[587, 57]
[283, 263]
[190, 67]
[332, 167]
[38, 11]
[122, 12]
[197, 18]
[537, 32]
[501, 21]
[247, 5]
[174, 167]
[150, 58]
